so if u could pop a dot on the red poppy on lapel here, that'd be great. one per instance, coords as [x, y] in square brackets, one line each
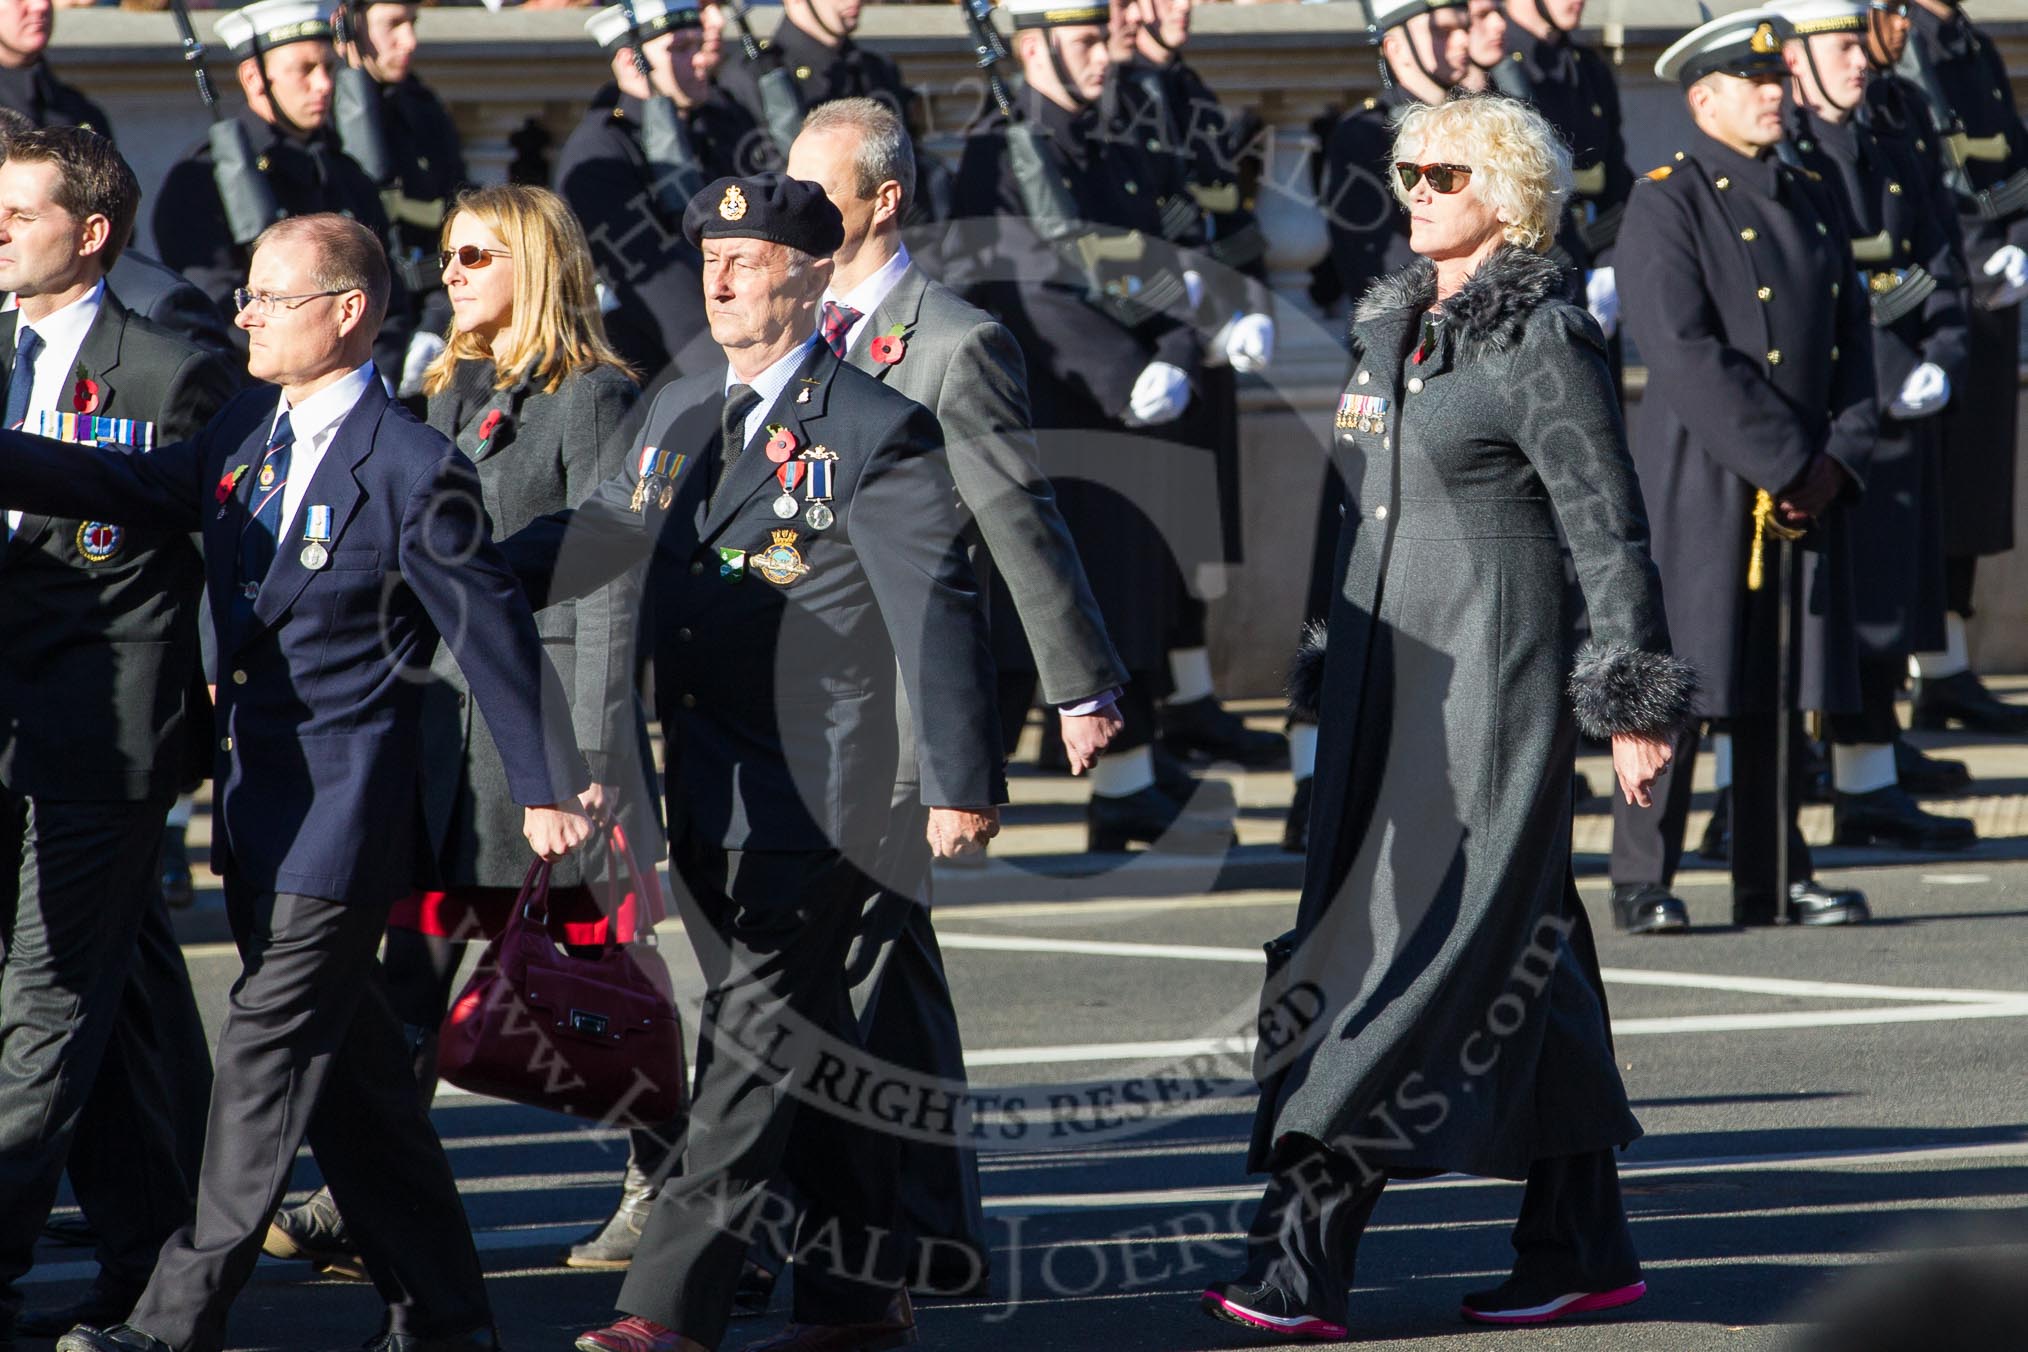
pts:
[84, 396]
[227, 482]
[490, 424]
[781, 445]
[888, 348]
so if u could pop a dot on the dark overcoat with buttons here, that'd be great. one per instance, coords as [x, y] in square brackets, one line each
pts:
[653, 278]
[1979, 427]
[777, 643]
[1740, 291]
[1898, 221]
[1438, 1005]
[429, 170]
[1573, 86]
[1135, 500]
[308, 173]
[536, 453]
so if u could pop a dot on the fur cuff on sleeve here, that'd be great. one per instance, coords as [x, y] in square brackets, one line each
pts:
[1306, 675]
[1618, 689]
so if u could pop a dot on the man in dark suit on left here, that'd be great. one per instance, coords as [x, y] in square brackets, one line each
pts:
[343, 541]
[99, 712]
[27, 85]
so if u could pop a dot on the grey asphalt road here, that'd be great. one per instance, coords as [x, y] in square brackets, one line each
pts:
[1816, 1102]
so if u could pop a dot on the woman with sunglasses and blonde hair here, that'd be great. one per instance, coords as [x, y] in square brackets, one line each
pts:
[1438, 1005]
[529, 389]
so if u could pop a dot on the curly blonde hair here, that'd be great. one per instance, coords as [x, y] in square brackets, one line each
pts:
[1520, 166]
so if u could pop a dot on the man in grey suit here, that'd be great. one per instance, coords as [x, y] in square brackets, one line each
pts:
[885, 316]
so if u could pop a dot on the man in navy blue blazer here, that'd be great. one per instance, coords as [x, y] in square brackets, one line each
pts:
[342, 538]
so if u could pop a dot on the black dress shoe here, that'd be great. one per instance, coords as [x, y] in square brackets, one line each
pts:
[107, 1303]
[1152, 818]
[1296, 826]
[1964, 700]
[1716, 843]
[1648, 908]
[1206, 728]
[1812, 903]
[119, 1338]
[472, 1340]
[611, 1246]
[315, 1233]
[74, 1231]
[1888, 816]
[1919, 772]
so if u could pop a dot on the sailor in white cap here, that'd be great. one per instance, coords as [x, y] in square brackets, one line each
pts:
[1110, 348]
[1899, 217]
[627, 187]
[1759, 418]
[286, 65]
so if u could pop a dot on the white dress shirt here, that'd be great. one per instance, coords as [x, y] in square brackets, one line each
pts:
[871, 293]
[62, 334]
[769, 384]
[315, 424]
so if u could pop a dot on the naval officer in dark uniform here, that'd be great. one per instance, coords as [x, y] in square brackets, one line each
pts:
[1970, 102]
[1901, 238]
[421, 146]
[805, 551]
[632, 207]
[1113, 362]
[285, 65]
[1741, 294]
[27, 85]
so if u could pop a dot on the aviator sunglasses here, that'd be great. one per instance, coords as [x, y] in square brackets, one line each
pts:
[470, 256]
[1443, 178]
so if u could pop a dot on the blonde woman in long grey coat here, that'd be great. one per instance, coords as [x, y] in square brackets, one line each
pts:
[1438, 1006]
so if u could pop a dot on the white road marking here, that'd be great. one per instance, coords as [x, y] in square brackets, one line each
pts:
[1954, 879]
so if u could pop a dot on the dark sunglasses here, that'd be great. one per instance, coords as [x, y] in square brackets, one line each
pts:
[1443, 178]
[470, 255]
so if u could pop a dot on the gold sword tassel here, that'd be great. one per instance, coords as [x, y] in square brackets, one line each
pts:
[1764, 522]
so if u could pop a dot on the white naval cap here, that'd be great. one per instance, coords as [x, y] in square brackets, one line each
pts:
[608, 27]
[1744, 43]
[1055, 13]
[273, 23]
[1806, 17]
[1386, 14]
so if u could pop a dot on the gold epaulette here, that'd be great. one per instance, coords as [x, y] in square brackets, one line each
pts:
[1656, 175]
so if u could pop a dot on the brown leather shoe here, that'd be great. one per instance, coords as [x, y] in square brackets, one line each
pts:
[896, 1328]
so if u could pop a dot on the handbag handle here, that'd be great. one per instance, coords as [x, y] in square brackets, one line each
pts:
[531, 904]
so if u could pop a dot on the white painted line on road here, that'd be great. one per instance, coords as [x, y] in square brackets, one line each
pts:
[1954, 879]
[1111, 1051]
[1094, 948]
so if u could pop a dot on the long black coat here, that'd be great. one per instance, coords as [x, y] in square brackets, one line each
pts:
[1980, 425]
[1133, 500]
[1573, 86]
[653, 279]
[1740, 291]
[1898, 219]
[1440, 1007]
[542, 453]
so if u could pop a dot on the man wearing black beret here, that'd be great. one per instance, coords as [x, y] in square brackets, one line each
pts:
[805, 548]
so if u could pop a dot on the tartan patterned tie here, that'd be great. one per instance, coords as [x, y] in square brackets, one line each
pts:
[835, 321]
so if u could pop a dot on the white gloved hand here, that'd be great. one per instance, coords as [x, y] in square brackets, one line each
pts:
[1926, 390]
[2008, 261]
[1602, 298]
[1161, 393]
[422, 350]
[1249, 343]
[1193, 287]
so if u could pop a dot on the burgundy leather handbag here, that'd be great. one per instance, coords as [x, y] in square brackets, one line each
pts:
[595, 1035]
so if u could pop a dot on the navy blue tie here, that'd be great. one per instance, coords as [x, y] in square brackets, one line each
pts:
[264, 523]
[21, 383]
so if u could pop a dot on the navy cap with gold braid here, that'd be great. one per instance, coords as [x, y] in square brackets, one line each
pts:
[1746, 43]
[270, 24]
[608, 27]
[1056, 13]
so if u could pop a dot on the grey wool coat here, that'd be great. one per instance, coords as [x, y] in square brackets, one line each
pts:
[1438, 1005]
[541, 454]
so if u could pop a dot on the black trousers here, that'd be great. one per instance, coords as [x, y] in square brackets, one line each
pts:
[82, 879]
[1648, 841]
[776, 1035]
[1880, 681]
[1572, 1233]
[312, 1049]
